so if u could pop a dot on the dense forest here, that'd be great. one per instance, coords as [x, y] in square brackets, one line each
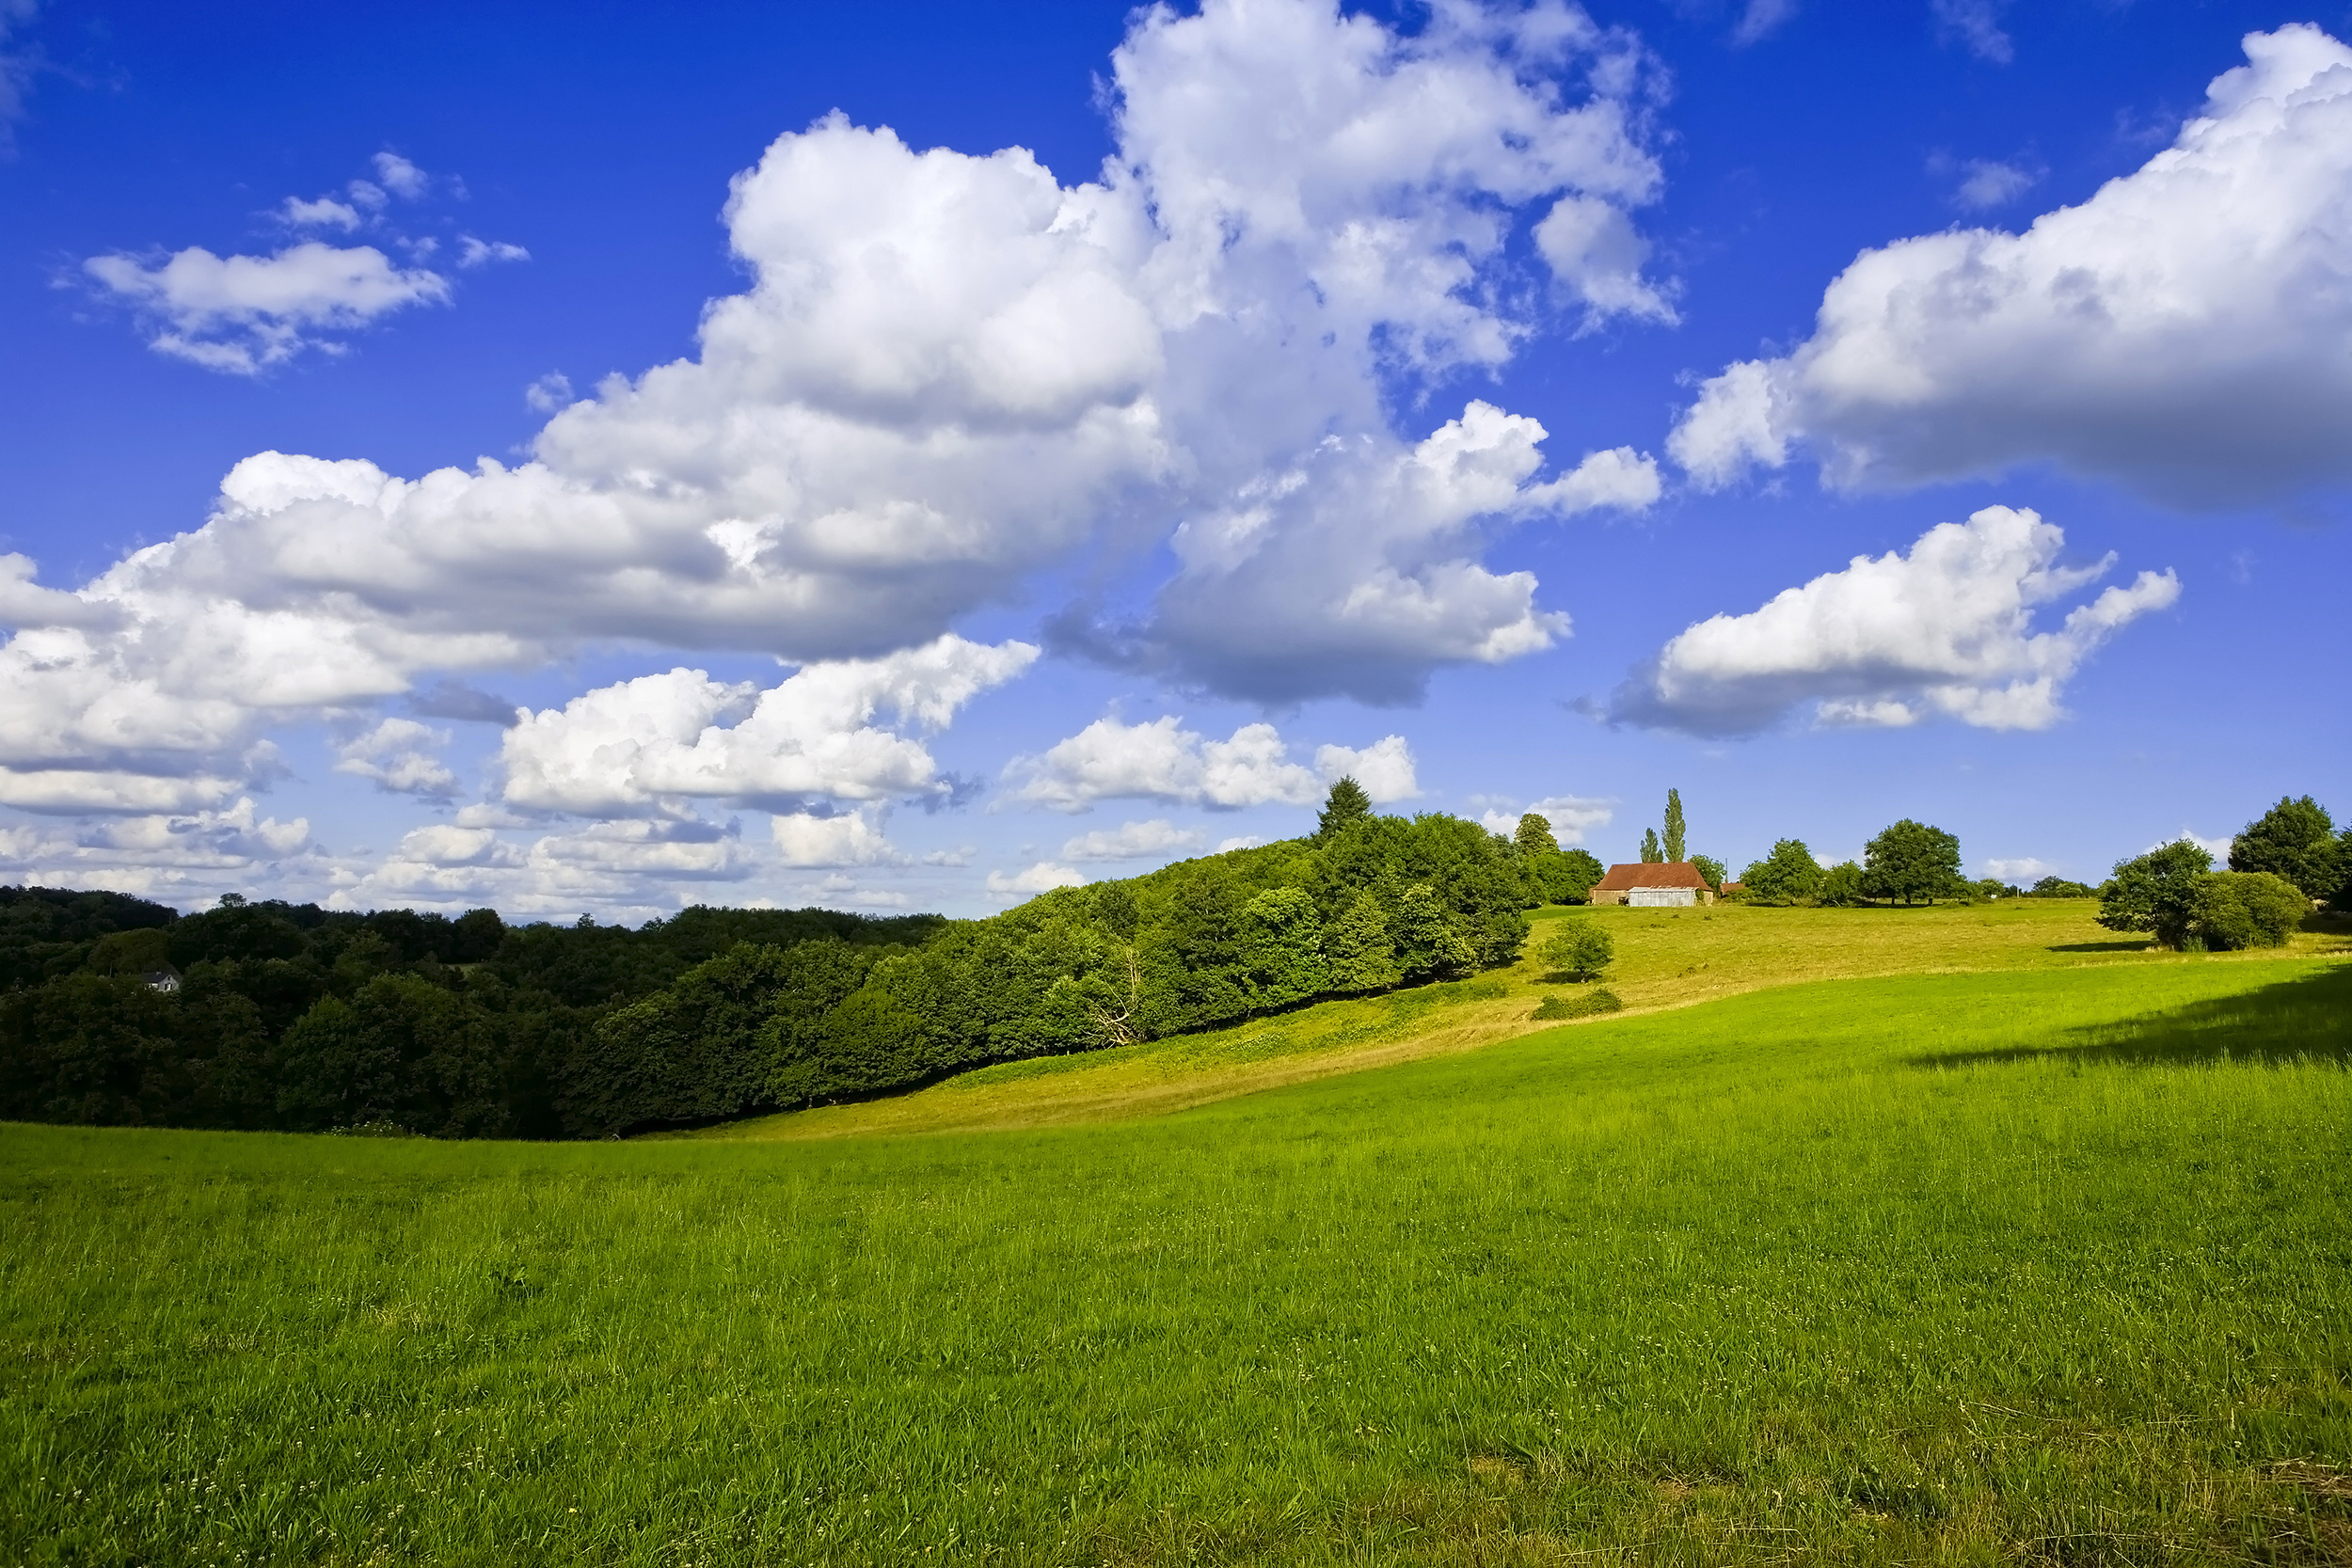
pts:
[294, 1018]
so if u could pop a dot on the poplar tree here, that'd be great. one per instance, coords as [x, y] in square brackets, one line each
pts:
[1676, 839]
[1651, 854]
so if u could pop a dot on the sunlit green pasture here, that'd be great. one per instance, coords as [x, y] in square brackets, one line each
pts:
[1665, 958]
[2041, 1266]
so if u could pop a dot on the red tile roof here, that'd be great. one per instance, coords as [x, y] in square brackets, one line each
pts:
[1675, 874]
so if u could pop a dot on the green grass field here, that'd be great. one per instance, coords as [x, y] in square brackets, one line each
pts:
[2049, 1261]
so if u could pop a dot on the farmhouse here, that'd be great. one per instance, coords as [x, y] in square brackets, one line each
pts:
[1677, 884]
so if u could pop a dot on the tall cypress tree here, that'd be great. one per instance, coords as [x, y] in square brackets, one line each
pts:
[1677, 840]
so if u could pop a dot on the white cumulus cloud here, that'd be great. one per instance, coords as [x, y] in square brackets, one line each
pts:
[1947, 628]
[1161, 760]
[849, 838]
[1130, 841]
[1044, 877]
[398, 754]
[244, 314]
[949, 374]
[647, 744]
[2180, 332]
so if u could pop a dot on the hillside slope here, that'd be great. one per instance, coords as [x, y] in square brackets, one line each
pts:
[1665, 958]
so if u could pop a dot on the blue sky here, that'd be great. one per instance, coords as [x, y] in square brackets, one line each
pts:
[1007, 518]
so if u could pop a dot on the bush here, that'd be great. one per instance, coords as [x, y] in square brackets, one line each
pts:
[2247, 909]
[2059, 887]
[1580, 950]
[1585, 1006]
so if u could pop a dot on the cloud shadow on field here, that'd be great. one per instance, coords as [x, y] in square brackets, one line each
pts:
[2304, 1020]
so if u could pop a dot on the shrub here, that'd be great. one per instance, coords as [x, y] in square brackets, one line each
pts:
[2247, 909]
[1580, 950]
[1587, 1004]
[2059, 887]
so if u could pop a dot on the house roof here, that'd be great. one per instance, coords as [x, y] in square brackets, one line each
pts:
[1674, 874]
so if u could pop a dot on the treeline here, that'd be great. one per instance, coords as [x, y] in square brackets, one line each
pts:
[256, 1016]
[293, 1018]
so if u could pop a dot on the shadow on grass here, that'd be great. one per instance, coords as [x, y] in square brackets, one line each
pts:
[2307, 1019]
[2139, 946]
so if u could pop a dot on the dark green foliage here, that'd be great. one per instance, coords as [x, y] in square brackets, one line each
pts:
[1583, 1004]
[1346, 805]
[1282, 949]
[1563, 876]
[1841, 885]
[1652, 853]
[296, 1018]
[48, 933]
[2159, 893]
[1677, 835]
[1913, 863]
[1429, 941]
[1579, 949]
[1534, 836]
[2247, 908]
[1710, 869]
[1992, 887]
[1788, 875]
[2294, 839]
[2059, 887]
[304, 1020]
[1358, 949]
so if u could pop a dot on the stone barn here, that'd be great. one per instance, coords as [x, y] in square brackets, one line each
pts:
[1677, 884]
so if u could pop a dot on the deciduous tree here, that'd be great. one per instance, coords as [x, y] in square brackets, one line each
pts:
[1910, 861]
[1788, 875]
[2294, 839]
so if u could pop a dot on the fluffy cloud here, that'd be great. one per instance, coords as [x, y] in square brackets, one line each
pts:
[1571, 816]
[1946, 629]
[246, 314]
[850, 838]
[176, 857]
[2024, 868]
[645, 745]
[631, 869]
[398, 755]
[949, 373]
[2180, 331]
[1130, 841]
[1353, 571]
[1161, 760]
[1044, 877]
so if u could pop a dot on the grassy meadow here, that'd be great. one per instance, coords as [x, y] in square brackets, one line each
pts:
[2045, 1259]
[1665, 958]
